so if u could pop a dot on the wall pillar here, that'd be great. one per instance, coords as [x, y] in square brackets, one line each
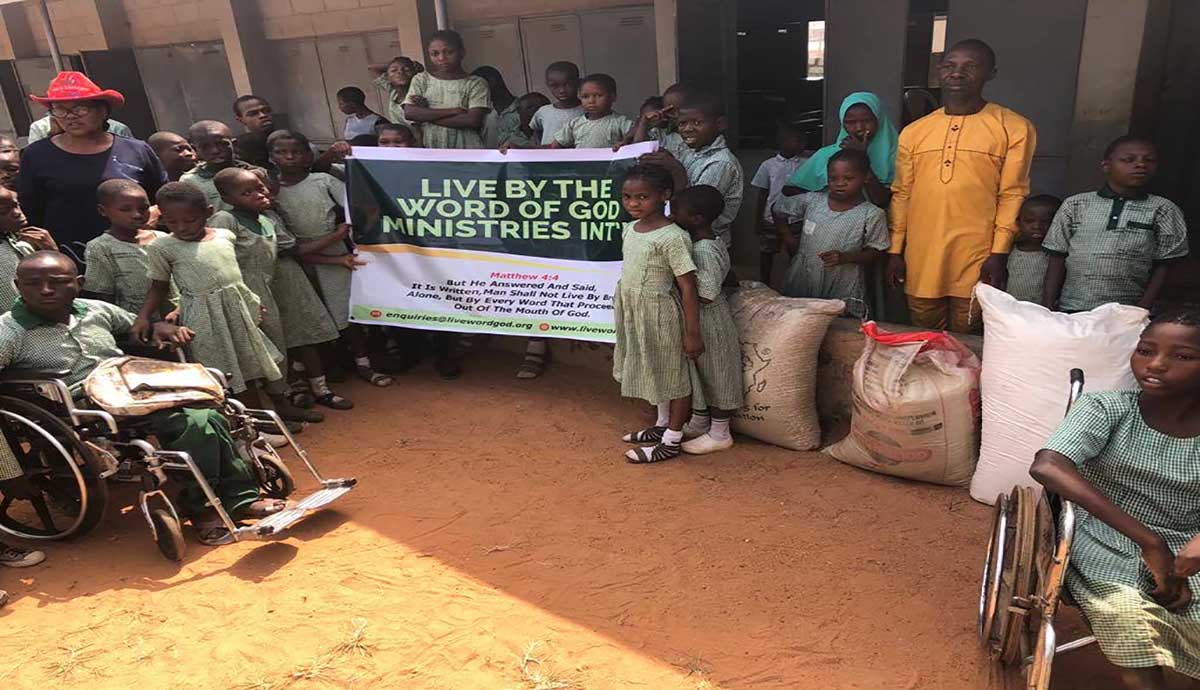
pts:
[242, 32]
[1113, 42]
[666, 43]
[1037, 46]
[415, 21]
[864, 51]
[17, 41]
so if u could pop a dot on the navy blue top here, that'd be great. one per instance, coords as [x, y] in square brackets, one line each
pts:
[58, 188]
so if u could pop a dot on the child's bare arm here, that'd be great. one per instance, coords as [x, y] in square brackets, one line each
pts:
[349, 261]
[154, 299]
[760, 206]
[788, 241]
[864, 256]
[1059, 474]
[465, 119]
[693, 343]
[1158, 278]
[1056, 275]
[418, 113]
[310, 247]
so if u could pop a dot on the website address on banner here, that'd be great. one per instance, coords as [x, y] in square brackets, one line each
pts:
[484, 324]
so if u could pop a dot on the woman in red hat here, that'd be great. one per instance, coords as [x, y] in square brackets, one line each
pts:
[59, 175]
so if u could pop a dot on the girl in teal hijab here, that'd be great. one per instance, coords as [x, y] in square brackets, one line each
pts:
[865, 126]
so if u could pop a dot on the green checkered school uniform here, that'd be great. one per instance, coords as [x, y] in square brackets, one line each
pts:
[1027, 274]
[201, 177]
[1154, 478]
[600, 133]
[29, 341]
[216, 304]
[295, 315]
[716, 374]
[310, 208]
[116, 271]
[648, 359]
[716, 166]
[12, 250]
[1111, 244]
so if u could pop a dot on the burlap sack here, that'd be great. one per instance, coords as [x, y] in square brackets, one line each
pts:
[916, 408]
[780, 338]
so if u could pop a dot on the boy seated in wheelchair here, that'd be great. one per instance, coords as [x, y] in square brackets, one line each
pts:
[1131, 461]
[50, 328]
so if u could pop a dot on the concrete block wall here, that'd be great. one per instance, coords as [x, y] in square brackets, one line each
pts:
[76, 23]
[163, 22]
[466, 11]
[299, 18]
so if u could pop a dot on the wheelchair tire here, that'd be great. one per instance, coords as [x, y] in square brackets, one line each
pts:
[60, 465]
[274, 476]
[168, 535]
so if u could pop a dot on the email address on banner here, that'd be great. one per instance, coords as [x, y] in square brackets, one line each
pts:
[415, 318]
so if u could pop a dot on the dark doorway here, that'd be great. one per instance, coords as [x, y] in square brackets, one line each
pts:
[781, 60]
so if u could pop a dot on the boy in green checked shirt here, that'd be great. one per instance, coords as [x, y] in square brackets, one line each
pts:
[1116, 244]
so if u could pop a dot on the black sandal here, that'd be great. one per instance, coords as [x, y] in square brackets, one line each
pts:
[653, 434]
[533, 366]
[334, 401]
[373, 377]
[639, 456]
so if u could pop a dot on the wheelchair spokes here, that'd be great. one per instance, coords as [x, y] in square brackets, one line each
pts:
[70, 493]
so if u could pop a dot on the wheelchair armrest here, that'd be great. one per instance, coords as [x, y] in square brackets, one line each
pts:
[17, 374]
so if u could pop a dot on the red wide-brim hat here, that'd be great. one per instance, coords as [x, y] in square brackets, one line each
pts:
[75, 86]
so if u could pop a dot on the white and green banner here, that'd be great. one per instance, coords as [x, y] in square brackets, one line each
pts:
[523, 243]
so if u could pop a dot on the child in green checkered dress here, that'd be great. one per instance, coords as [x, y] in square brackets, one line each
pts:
[1131, 461]
[1027, 262]
[214, 302]
[658, 328]
[717, 373]
[1115, 244]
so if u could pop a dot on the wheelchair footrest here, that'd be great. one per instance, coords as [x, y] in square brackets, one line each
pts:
[272, 525]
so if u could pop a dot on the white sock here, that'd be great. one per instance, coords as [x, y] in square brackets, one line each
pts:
[318, 385]
[719, 430]
[699, 420]
[536, 347]
[362, 362]
[664, 414]
[672, 437]
[298, 366]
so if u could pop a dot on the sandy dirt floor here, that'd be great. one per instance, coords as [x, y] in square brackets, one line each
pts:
[498, 541]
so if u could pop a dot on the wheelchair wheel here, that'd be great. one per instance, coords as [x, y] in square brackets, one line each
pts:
[71, 495]
[274, 476]
[168, 534]
[1019, 554]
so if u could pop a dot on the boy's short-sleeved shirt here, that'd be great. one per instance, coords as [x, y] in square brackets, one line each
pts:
[1111, 244]
[117, 269]
[548, 120]
[772, 175]
[202, 176]
[12, 250]
[716, 166]
[1027, 274]
[358, 126]
[601, 133]
[29, 341]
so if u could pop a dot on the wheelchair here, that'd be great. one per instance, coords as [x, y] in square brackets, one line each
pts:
[70, 453]
[1023, 573]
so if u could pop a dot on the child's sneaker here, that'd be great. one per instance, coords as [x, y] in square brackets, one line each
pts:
[703, 445]
[17, 557]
